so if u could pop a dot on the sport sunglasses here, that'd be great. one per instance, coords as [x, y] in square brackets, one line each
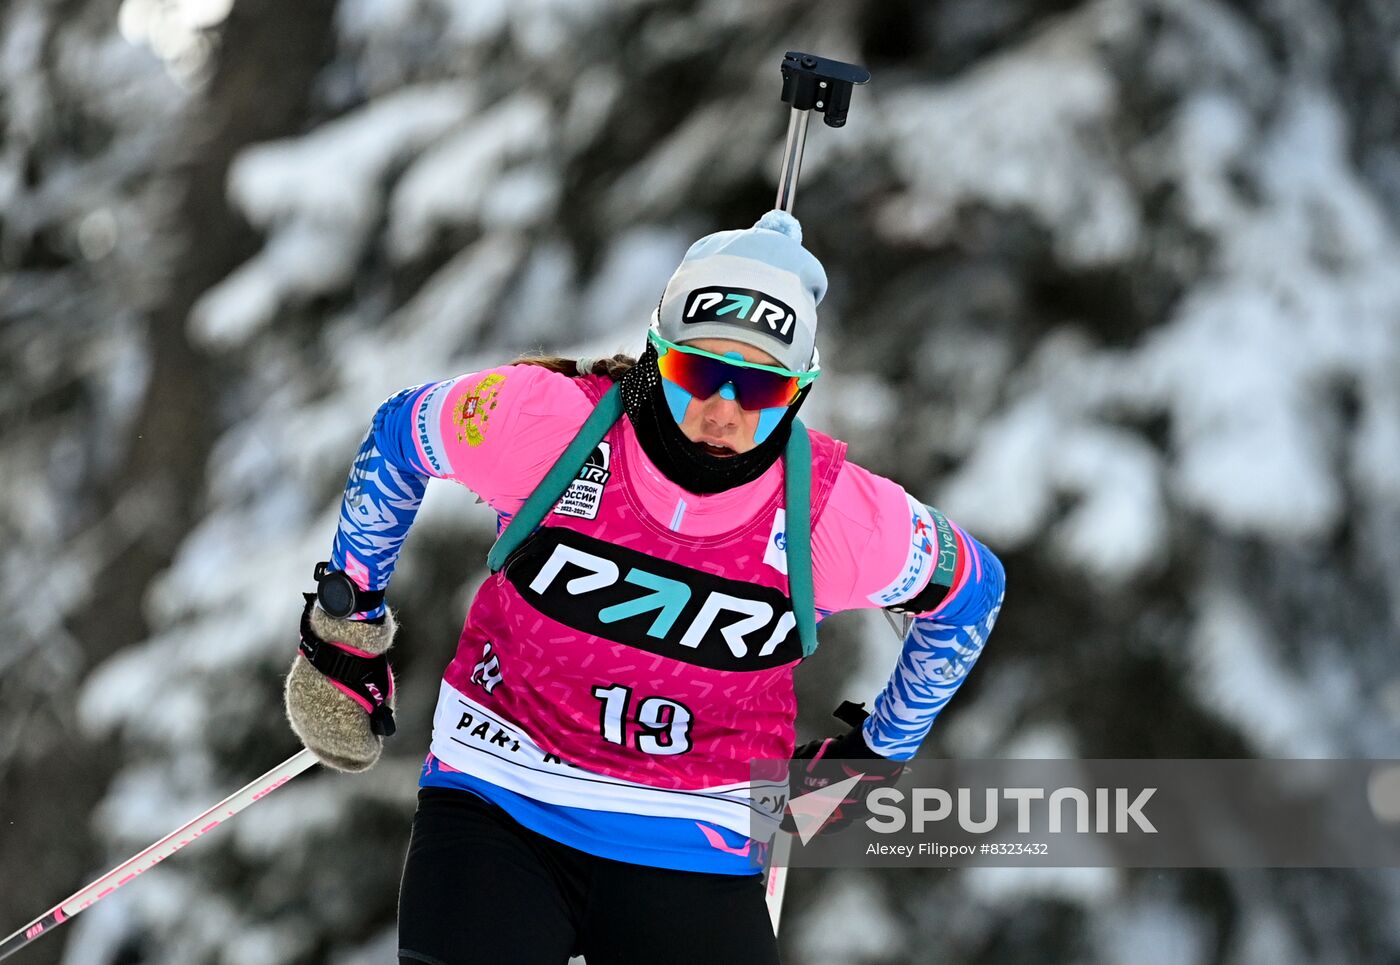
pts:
[702, 374]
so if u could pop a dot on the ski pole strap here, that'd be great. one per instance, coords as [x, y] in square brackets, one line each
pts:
[604, 415]
[797, 527]
[367, 678]
[851, 713]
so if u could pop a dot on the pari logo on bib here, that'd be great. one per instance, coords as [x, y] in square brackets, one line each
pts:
[653, 604]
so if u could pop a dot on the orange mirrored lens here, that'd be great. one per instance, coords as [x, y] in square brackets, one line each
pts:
[702, 377]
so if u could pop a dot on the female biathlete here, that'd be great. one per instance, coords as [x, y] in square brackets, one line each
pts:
[588, 786]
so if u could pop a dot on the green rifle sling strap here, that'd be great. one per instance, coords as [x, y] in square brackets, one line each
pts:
[797, 474]
[797, 497]
[552, 486]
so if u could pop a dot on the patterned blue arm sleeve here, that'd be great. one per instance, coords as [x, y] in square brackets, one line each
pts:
[381, 499]
[939, 651]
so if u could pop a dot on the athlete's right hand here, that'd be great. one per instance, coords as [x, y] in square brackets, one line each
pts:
[343, 711]
[820, 763]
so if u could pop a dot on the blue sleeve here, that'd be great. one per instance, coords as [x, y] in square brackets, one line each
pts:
[939, 652]
[382, 497]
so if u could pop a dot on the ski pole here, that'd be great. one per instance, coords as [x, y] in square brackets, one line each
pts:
[812, 83]
[776, 884]
[158, 852]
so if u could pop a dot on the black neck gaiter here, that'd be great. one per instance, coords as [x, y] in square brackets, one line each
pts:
[683, 462]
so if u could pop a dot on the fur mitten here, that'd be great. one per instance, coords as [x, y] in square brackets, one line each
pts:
[333, 716]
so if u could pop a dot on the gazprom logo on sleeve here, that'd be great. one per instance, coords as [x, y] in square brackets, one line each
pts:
[742, 307]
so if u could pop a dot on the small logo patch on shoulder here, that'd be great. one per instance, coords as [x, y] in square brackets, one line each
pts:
[919, 562]
[585, 493]
[775, 555]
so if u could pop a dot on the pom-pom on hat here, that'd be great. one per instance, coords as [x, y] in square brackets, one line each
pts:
[757, 285]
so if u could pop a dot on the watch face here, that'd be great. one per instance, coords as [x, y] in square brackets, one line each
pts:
[336, 594]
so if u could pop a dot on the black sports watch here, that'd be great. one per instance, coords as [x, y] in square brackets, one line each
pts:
[338, 595]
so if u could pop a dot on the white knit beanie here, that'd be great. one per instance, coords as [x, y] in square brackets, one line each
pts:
[758, 286]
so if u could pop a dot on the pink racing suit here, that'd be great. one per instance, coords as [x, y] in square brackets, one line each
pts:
[614, 681]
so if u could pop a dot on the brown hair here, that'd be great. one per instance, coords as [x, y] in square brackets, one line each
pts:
[614, 368]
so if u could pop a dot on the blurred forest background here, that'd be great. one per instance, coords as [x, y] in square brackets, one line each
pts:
[1114, 283]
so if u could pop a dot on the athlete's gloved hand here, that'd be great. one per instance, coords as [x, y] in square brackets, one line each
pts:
[340, 692]
[830, 760]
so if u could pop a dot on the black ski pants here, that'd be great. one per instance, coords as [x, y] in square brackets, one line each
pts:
[480, 888]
